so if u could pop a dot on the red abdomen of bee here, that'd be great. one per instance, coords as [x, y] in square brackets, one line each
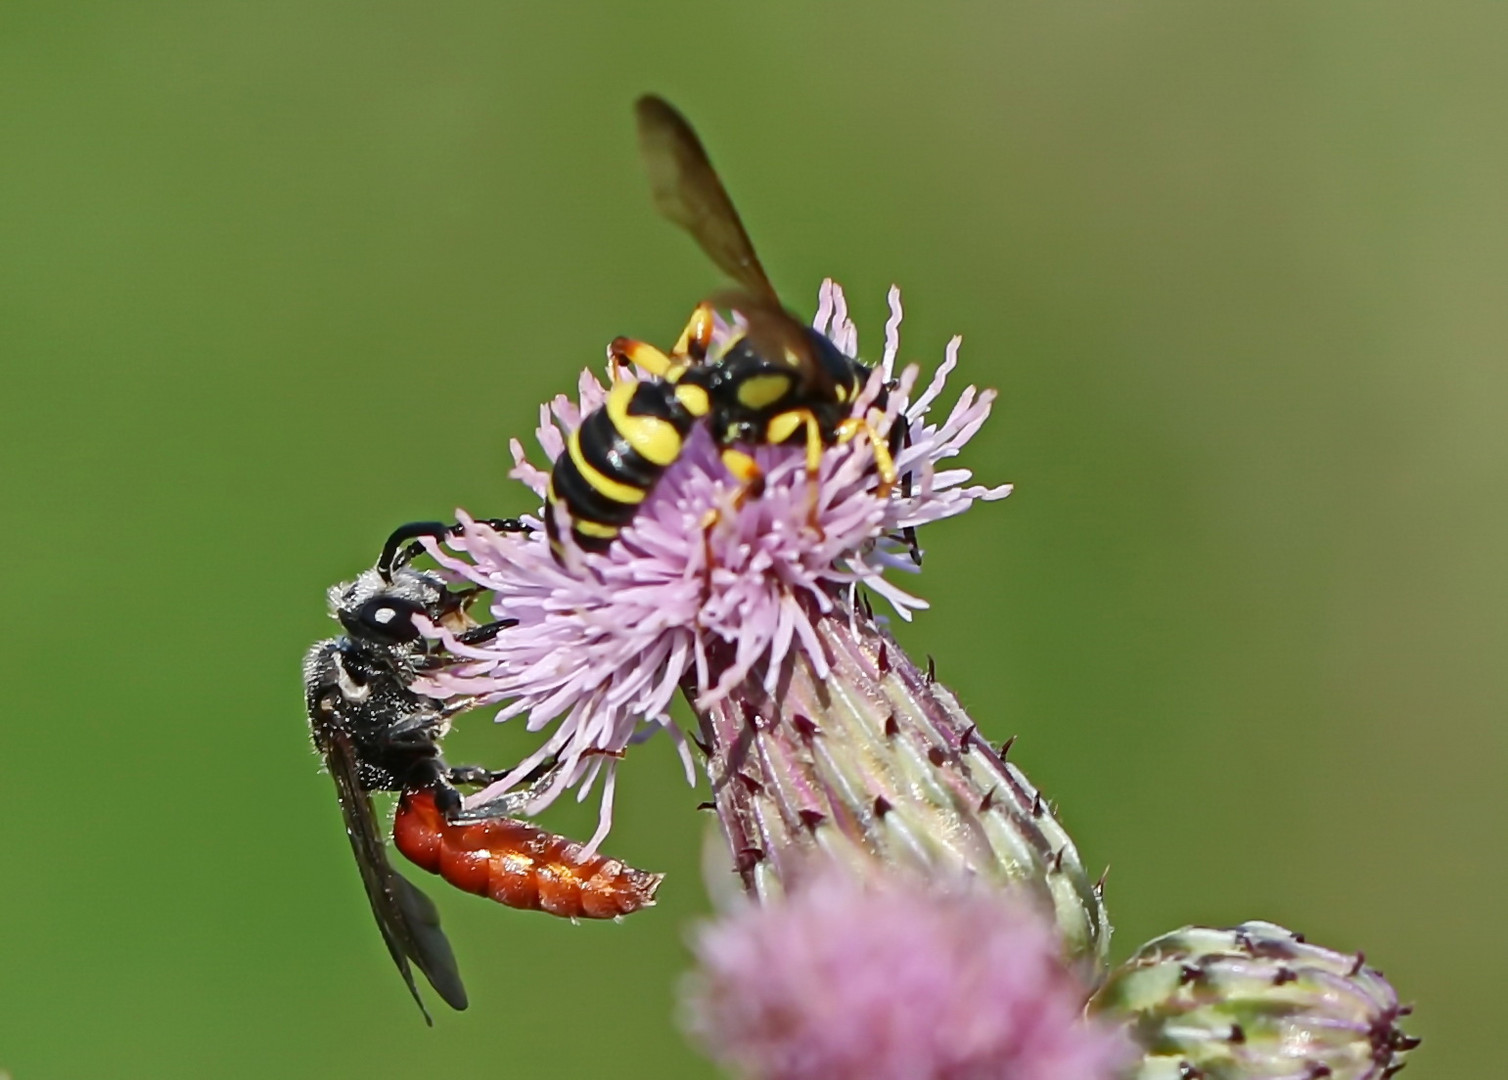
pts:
[518, 864]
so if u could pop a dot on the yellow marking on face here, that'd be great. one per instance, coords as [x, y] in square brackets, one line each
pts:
[741, 465]
[784, 425]
[760, 391]
[840, 392]
[595, 529]
[615, 490]
[656, 440]
[693, 399]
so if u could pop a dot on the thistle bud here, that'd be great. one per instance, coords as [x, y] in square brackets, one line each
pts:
[1254, 1003]
[872, 763]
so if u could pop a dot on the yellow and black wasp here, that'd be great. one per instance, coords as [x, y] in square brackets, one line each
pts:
[778, 381]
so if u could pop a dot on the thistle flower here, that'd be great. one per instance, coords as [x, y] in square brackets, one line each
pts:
[1255, 1002]
[820, 734]
[893, 979]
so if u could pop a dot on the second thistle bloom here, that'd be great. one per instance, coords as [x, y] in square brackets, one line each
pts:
[894, 979]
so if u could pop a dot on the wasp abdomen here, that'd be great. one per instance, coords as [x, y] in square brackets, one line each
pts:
[611, 462]
[518, 864]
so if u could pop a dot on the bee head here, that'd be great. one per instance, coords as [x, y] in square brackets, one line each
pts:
[382, 613]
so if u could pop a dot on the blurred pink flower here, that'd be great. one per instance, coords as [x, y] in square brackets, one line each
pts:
[603, 641]
[894, 979]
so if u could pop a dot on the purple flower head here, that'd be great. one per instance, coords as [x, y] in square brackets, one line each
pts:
[891, 978]
[708, 586]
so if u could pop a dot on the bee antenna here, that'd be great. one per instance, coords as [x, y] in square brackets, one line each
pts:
[395, 556]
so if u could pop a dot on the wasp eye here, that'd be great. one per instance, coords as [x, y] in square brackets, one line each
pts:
[385, 620]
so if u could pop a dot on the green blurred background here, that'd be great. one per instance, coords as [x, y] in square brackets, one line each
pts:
[275, 277]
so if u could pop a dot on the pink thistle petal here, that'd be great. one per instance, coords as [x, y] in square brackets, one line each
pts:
[604, 640]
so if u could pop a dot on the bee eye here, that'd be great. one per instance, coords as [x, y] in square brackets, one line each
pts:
[385, 620]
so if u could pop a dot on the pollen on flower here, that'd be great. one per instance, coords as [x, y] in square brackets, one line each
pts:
[893, 979]
[708, 584]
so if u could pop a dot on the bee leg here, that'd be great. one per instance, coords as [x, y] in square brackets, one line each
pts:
[395, 555]
[433, 775]
[697, 336]
[479, 635]
[509, 804]
[476, 775]
[434, 657]
[447, 799]
[629, 351]
[455, 706]
[481, 776]
[504, 525]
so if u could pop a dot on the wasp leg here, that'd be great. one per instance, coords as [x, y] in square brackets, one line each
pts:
[899, 441]
[629, 351]
[884, 461]
[395, 555]
[750, 479]
[747, 472]
[697, 336]
[885, 453]
[782, 428]
[709, 519]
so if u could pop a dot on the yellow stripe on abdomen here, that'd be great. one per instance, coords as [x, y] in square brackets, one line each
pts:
[605, 485]
[654, 439]
[594, 529]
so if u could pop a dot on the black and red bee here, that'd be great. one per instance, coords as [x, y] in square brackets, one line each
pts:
[376, 733]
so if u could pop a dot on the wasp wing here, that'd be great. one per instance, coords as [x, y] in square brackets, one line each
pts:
[688, 192]
[778, 336]
[407, 918]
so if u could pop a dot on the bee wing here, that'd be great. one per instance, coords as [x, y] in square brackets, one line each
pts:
[407, 918]
[688, 192]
